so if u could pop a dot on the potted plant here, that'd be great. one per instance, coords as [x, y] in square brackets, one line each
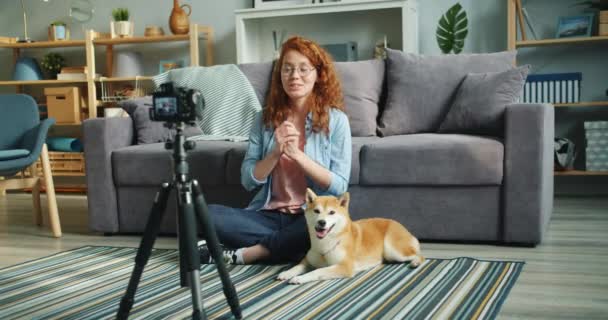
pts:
[121, 26]
[58, 30]
[52, 64]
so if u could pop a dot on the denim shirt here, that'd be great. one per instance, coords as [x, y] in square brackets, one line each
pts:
[333, 152]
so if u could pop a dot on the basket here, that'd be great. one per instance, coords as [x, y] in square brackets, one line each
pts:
[596, 134]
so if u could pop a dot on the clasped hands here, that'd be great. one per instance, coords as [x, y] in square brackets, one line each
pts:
[287, 140]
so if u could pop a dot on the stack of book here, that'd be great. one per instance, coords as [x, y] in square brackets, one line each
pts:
[603, 25]
[552, 88]
[596, 133]
[73, 73]
[8, 40]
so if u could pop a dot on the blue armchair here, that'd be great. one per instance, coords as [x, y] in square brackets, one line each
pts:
[22, 142]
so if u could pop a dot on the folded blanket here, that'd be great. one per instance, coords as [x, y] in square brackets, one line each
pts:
[230, 101]
[64, 144]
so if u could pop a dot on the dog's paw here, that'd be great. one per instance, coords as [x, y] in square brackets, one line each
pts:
[285, 275]
[297, 280]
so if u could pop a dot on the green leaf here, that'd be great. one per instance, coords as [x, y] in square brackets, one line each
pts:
[452, 30]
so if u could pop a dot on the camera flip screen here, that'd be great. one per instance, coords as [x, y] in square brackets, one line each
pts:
[165, 106]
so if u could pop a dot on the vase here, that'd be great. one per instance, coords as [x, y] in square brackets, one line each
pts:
[179, 21]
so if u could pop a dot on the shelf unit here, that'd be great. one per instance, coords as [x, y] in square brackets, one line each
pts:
[89, 45]
[362, 21]
[196, 32]
[513, 44]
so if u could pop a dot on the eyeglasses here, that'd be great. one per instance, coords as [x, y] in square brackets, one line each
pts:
[302, 71]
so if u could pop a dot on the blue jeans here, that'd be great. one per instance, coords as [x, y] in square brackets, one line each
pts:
[284, 235]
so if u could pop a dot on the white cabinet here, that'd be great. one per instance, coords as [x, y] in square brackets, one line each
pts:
[364, 22]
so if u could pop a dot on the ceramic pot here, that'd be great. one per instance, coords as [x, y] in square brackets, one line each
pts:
[122, 29]
[179, 21]
[58, 33]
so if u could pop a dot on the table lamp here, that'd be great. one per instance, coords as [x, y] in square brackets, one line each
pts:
[25, 37]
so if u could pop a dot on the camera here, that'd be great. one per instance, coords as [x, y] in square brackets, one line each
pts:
[171, 104]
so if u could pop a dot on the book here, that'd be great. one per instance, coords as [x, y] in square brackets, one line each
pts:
[72, 76]
[79, 69]
[8, 40]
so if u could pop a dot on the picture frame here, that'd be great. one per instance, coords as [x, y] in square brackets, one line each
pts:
[166, 65]
[271, 4]
[574, 26]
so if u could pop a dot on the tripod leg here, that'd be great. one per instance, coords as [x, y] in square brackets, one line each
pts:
[145, 248]
[214, 248]
[189, 251]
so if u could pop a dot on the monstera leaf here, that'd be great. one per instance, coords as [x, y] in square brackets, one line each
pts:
[452, 30]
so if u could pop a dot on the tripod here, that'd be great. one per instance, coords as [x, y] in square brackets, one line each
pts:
[190, 200]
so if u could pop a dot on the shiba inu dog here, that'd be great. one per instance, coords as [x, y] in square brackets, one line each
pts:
[340, 247]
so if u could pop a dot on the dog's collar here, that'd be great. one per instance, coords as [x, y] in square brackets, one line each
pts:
[332, 248]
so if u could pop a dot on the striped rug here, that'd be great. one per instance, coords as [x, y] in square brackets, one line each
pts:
[87, 283]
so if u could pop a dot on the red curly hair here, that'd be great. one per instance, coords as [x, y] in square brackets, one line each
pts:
[325, 94]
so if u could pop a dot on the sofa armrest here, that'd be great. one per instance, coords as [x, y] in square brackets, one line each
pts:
[101, 137]
[528, 172]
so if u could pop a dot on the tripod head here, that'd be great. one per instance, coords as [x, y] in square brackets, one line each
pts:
[180, 147]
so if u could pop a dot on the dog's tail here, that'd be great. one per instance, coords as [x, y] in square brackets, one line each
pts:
[418, 260]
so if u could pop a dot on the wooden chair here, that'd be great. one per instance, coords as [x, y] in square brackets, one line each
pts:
[22, 142]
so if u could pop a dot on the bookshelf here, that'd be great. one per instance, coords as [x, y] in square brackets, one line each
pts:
[514, 43]
[91, 44]
[92, 41]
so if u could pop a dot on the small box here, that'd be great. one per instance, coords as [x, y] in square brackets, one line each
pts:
[342, 51]
[603, 16]
[63, 104]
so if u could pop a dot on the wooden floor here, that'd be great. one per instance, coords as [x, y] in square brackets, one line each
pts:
[564, 278]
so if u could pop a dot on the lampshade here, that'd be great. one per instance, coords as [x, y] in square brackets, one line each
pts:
[27, 69]
[127, 64]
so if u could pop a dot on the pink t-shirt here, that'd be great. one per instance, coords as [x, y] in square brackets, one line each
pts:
[288, 184]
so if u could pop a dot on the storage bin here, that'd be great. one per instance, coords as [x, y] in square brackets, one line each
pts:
[552, 88]
[596, 152]
[63, 104]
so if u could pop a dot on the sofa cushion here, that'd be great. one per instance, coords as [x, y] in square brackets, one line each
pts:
[432, 159]
[481, 101]
[150, 164]
[259, 74]
[420, 88]
[146, 130]
[361, 86]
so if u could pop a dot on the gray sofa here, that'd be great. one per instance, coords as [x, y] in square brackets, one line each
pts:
[443, 185]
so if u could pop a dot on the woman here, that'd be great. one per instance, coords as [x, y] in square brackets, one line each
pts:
[301, 139]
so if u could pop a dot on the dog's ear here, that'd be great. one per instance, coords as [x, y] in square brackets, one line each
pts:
[310, 195]
[344, 199]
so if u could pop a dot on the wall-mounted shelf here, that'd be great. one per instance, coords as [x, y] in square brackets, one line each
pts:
[44, 44]
[39, 82]
[121, 79]
[556, 42]
[362, 21]
[580, 173]
[583, 104]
